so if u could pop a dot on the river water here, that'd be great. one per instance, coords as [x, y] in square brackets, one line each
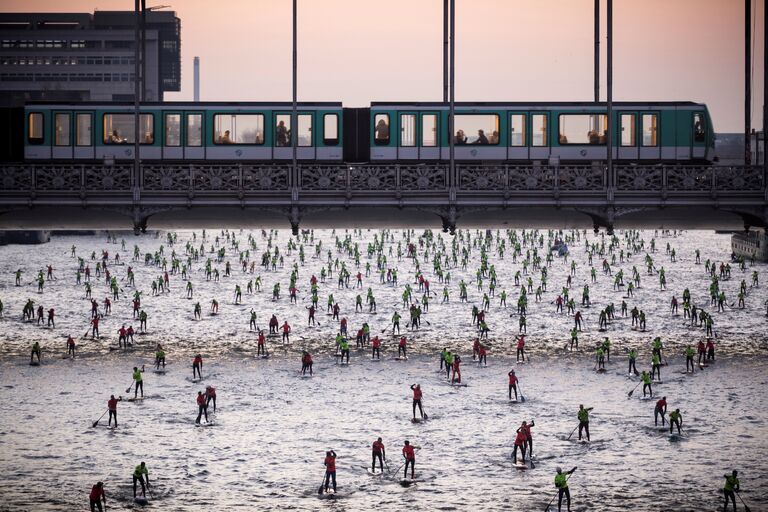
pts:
[267, 442]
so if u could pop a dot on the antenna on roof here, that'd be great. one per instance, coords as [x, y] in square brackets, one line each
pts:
[158, 7]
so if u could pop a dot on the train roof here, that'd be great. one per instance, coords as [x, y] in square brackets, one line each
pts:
[176, 104]
[539, 104]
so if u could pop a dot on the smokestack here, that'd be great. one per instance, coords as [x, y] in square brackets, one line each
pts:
[197, 79]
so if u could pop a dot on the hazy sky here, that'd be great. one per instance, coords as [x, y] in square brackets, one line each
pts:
[359, 51]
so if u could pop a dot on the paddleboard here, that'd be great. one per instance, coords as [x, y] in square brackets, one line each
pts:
[418, 420]
[583, 441]
[521, 362]
[375, 359]
[513, 401]
[374, 473]
[159, 372]
[140, 501]
[205, 424]
[520, 464]
[34, 363]
[137, 399]
[407, 482]
[646, 398]
[263, 356]
[305, 376]
[458, 385]
[600, 370]
[400, 358]
[330, 493]
[674, 437]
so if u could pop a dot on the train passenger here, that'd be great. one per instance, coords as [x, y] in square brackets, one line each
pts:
[225, 139]
[460, 138]
[382, 131]
[481, 138]
[282, 134]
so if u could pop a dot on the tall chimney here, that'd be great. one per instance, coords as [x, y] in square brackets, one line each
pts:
[197, 79]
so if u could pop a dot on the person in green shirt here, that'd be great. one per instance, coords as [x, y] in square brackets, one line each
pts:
[35, 351]
[731, 485]
[396, 322]
[656, 366]
[632, 358]
[344, 346]
[646, 382]
[583, 416]
[561, 482]
[675, 418]
[138, 476]
[159, 357]
[139, 381]
[448, 358]
[600, 356]
[689, 353]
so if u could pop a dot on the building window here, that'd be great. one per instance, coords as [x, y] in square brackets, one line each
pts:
[429, 130]
[478, 129]
[119, 129]
[35, 128]
[539, 130]
[194, 129]
[305, 130]
[649, 130]
[628, 137]
[238, 129]
[517, 131]
[407, 130]
[381, 129]
[62, 129]
[583, 128]
[83, 129]
[330, 129]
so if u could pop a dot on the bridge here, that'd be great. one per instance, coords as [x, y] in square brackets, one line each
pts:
[311, 194]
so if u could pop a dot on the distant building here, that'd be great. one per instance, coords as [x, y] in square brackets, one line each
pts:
[81, 56]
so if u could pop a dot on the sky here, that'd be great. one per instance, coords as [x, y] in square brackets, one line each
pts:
[358, 51]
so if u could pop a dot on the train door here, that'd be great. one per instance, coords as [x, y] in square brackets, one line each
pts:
[84, 147]
[193, 133]
[699, 136]
[627, 146]
[407, 146]
[539, 136]
[62, 136]
[429, 148]
[518, 136]
[171, 141]
[650, 141]
[305, 144]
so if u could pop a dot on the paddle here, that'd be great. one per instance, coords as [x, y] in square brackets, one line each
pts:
[572, 431]
[322, 483]
[522, 398]
[629, 395]
[129, 388]
[426, 417]
[558, 492]
[98, 420]
[746, 508]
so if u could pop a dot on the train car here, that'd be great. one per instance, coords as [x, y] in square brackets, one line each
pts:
[180, 131]
[523, 132]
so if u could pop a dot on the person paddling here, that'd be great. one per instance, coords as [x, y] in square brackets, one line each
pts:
[197, 366]
[378, 452]
[35, 352]
[731, 485]
[660, 410]
[583, 416]
[512, 384]
[410, 459]
[675, 419]
[330, 469]
[561, 482]
[139, 473]
[416, 388]
[202, 407]
[96, 497]
[138, 378]
[112, 408]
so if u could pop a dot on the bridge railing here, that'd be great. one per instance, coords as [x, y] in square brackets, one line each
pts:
[190, 179]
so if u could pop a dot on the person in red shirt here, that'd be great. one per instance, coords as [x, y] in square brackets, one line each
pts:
[292, 291]
[51, 321]
[482, 357]
[401, 348]
[336, 310]
[197, 366]
[71, 346]
[376, 348]
[261, 349]
[129, 334]
[202, 409]
[95, 324]
[520, 348]
[330, 469]
[710, 350]
[122, 337]
[306, 362]
[311, 319]
[410, 459]
[527, 427]
[136, 306]
[512, 384]
[521, 441]
[475, 348]
[210, 396]
[660, 410]
[379, 452]
[702, 352]
[286, 331]
[107, 306]
[456, 377]
[112, 407]
[97, 491]
[417, 400]
[343, 326]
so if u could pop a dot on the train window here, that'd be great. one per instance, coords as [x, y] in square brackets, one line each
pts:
[120, 129]
[407, 130]
[539, 130]
[282, 130]
[628, 137]
[480, 129]
[429, 130]
[305, 130]
[35, 128]
[699, 127]
[238, 129]
[381, 129]
[63, 130]
[517, 132]
[649, 129]
[330, 129]
[83, 123]
[173, 129]
[582, 128]
[194, 130]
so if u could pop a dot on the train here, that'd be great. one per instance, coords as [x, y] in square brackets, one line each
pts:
[328, 132]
